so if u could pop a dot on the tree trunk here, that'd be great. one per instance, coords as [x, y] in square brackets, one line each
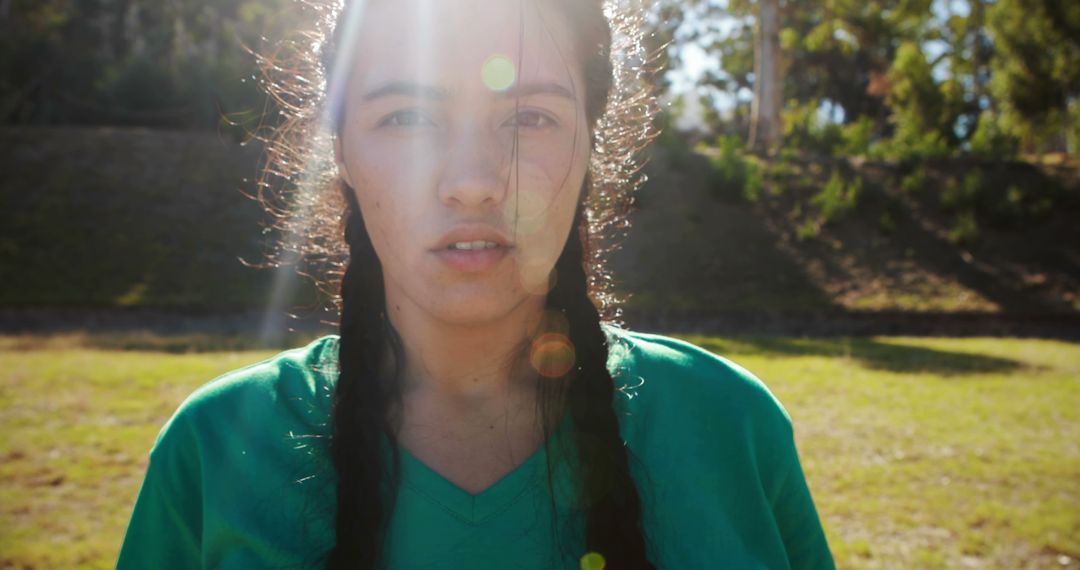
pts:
[766, 129]
[979, 50]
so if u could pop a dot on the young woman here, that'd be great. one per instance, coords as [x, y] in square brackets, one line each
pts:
[474, 411]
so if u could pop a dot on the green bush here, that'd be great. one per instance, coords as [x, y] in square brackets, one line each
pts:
[755, 182]
[965, 229]
[991, 140]
[911, 144]
[837, 198]
[858, 137]
[964, 196]
[914, 182]
[804, 129]
[894, 212]
[732, 175]
[922, 110]
[809, 229]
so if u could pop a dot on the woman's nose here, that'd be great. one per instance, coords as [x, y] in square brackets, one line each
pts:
[476, 172]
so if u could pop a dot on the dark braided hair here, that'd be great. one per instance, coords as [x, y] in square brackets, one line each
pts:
[361, 399]
[614, 507]
[619, 107]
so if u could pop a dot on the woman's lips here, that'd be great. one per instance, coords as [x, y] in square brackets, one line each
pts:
[472, 260]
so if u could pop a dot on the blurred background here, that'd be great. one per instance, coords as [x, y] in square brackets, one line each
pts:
[873, 205]
[840, 166]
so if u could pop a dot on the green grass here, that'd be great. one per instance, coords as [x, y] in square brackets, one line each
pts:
[921, 453]
[933, 453]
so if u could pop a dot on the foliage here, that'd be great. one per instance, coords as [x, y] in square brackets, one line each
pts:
[731, 174]
[805, 129]
[182, 64]
[991, 139]
[965, 229]
[858, 137]
[838, 198]
[1036, 69]
[914, 182]
[907, 79]
[962, 196]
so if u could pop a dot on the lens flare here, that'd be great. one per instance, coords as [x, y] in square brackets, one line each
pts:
[498, 73]
[531, 213]
[593, 561]
[555, 321]
[552, 355]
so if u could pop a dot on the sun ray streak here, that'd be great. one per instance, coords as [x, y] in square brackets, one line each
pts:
[312, 176]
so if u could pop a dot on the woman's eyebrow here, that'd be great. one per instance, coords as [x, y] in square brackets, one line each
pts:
[409, 89]
[543, 88]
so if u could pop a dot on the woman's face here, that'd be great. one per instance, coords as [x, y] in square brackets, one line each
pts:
[464, 126]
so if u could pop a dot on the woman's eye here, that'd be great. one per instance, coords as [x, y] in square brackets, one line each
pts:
[407, 118]
[531, 120]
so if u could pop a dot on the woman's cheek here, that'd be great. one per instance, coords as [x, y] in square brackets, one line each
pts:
[537, 259]
[544, 213]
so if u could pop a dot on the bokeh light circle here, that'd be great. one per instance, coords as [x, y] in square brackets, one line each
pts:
[593, 561]
[498, 73]
[552, 355]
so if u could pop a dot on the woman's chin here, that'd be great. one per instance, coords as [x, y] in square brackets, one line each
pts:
[478, 310]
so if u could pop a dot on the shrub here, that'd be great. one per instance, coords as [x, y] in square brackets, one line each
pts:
[965, 229]
[911, 144]
[991, 140]
[895, 212]
[809, 229]
[858, 137]
[914, 182]
[732, 175]
[838, 198]
[964, 196]
[804, 129]
[755, 182]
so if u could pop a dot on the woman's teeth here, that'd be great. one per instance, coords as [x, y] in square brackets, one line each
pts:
[473, 245]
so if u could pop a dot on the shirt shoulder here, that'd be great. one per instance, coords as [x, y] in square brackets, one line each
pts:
[288, 393]
[201, 506]
[295, 385]
[658, 374]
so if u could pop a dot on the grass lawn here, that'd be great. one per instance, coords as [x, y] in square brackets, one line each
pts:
[921, 453]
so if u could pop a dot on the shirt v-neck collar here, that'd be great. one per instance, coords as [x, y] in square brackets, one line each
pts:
[477, 509]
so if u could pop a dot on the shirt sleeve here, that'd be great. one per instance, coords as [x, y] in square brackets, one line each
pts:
[794, 510]
[166, 524]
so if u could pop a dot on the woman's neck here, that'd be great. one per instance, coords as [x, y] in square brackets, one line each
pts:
[466, 364]
[468, 393]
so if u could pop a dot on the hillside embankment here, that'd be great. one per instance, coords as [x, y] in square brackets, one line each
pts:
[136, 222]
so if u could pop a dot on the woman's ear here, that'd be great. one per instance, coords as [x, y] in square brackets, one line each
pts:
[339, 160]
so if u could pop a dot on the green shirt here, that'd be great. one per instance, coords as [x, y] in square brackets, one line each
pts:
[239, 476]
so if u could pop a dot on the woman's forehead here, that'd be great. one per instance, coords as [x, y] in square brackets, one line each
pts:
[447, 43]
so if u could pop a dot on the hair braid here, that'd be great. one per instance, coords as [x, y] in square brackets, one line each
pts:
[361, 400]
[606, 486]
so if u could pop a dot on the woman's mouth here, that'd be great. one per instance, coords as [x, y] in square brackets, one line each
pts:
[473, 245]
[472, 256]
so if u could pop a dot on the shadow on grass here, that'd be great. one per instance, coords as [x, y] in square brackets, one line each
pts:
[870, 353]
